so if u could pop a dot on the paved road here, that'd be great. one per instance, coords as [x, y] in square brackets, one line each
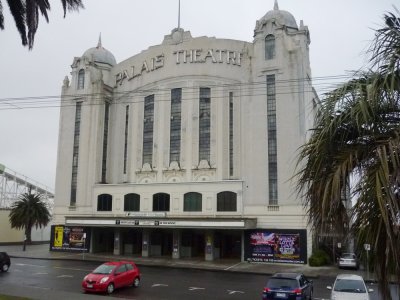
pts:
[51, 279]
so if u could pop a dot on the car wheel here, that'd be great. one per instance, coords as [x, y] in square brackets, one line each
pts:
[5, 267]
[110, 288]
[136, 282]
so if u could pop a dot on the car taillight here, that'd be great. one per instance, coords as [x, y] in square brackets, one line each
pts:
[297, 291]
[266, 290]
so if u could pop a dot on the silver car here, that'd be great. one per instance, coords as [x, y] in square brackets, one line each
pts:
[349, 287]
[348, 260]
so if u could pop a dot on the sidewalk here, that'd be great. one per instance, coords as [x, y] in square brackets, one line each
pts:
[41, 251]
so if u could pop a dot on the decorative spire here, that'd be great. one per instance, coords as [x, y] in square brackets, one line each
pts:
[99, 43]
[276, 7]
[179, 14]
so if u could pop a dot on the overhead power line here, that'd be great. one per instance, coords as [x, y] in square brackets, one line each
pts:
[292, 86]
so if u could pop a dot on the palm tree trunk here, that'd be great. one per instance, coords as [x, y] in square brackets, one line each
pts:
[28, 234]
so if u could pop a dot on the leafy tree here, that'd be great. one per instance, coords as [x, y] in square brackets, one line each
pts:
[26, 15]
[29, 211]
[357, 139]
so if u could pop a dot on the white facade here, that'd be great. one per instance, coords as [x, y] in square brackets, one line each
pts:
[243, 114]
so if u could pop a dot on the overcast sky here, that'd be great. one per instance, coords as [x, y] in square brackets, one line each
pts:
[340, 30]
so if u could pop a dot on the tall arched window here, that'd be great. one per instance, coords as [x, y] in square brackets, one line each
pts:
[204, 123]
[269, 47]
[132, 202]
[81, 79]
[161, 202]
[192, 202]
[226, 201]
[148, 129]
[104, 202]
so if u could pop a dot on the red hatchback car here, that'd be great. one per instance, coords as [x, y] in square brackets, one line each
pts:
[112, 275]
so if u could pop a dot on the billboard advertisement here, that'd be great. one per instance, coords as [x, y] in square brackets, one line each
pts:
[69, 238]
[279, 246]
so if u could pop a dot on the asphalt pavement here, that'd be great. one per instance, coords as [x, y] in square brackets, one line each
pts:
[41, 251]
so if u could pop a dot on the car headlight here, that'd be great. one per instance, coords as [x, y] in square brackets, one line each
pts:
[104, 279]
[84, 278]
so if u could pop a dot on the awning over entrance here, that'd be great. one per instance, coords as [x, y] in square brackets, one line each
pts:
[228, 223]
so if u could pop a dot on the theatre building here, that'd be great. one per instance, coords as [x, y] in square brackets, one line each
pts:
[188, 148]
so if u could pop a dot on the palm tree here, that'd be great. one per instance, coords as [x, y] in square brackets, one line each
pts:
[29, 211]
[356, 140]
[26, 15]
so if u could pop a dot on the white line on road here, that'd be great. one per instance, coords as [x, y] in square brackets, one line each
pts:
[232, 266]
[73, 269]
[30, 265]
[40, 273]
[159, 284]
[39, 288]
[65, 276]
[192, 288]
[234, 292]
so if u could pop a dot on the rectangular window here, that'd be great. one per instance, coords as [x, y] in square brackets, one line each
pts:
[204, 124]
[272, 141]
[230, 133]
[175, 125]
[75, 153]
[126, 137]
[105, 142]
[148, 128]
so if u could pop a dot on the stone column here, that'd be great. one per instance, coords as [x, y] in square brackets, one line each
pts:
[91, 241]
[176, 244]
[209, 251]
[146, 242]
[117, 241]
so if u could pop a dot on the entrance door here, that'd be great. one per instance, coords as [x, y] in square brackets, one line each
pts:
[231, 245]
[132, 241]
[161, 243]
[103, 240]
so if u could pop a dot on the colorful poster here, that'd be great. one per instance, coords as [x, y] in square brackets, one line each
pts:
[76, 239]
[65, 238]
[58, 236]
[276, 246]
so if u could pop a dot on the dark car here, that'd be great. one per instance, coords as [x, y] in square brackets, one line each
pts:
[112, 275]
[4, 262]
[288, 286]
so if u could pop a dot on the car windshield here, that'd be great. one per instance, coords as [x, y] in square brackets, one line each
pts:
[104, 269]
[282, 283]
[349, 286]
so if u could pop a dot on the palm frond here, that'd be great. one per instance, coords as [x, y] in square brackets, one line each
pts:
[32, 17]
[71, 5]
[1, 17]
[17, 8]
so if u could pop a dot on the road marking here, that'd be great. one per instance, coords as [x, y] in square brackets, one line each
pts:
[65, 276]
[30, 265]
[192, 288]
[39, 288]
[159, 284]
[40, 273]
[234, 292]
[73, 269]
[232, 266]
